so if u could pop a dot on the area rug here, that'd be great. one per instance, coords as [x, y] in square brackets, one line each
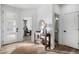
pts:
[39, 49]
[29, 50]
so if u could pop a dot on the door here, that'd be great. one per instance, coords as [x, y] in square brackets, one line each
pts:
[10, 34]
[70, 30]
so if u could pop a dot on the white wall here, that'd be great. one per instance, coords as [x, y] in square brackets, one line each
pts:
[17, 11]
[45, 12]
[57, 9]
[68, 8]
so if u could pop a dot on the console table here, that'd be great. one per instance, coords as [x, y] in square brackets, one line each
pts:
[44, 41]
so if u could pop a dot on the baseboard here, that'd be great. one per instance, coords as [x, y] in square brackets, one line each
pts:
[13, 42]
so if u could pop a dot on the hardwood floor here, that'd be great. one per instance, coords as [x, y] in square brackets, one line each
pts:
[59, 49]
[62, 49]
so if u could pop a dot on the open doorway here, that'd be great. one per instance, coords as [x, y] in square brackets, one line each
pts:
[56, 29]
[27, 28]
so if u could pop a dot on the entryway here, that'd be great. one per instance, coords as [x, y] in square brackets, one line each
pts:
[27, 28]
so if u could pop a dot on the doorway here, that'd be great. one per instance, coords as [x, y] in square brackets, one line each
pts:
[78, 29]
[27, 28]
[56, 29]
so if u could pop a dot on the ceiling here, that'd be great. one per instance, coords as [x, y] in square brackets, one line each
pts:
[23, 6]
[29, 6]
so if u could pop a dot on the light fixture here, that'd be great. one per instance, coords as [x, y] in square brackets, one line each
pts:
[57, 18]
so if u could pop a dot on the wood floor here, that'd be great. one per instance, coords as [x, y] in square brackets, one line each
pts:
[62, 49]
[59, 49]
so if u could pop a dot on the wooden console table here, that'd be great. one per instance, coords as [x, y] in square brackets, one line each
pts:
[44, 41]
[47, 43]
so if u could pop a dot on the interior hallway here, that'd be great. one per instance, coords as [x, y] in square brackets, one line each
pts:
[67, 15]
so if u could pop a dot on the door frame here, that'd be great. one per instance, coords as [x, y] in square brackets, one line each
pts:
[27, 18]
[77, 15]
[54, 26]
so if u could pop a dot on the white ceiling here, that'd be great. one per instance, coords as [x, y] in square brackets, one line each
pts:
[30, 6]
[23, 6]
